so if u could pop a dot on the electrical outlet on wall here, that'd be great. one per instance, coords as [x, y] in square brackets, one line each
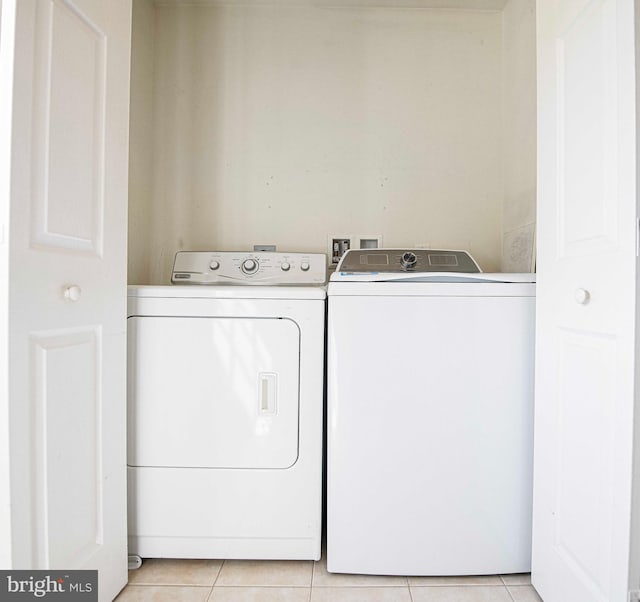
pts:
[338, 245]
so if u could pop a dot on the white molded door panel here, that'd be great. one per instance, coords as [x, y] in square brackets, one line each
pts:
[213, 392]
[586, 310]
[64, 93]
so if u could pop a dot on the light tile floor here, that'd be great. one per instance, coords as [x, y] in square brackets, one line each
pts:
[307, 581]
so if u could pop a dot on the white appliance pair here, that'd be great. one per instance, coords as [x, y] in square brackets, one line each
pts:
[225, 407]
[430, 412]
[430, 415]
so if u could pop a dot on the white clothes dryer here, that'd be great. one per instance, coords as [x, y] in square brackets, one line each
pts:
[225, 408]
[430, 415]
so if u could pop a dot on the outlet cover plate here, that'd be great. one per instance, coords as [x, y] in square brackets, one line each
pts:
[367, 241]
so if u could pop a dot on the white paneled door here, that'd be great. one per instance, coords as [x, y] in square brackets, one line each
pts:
[64, 137]
[585, 347]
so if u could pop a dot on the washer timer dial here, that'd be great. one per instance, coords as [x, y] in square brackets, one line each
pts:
[408, 260]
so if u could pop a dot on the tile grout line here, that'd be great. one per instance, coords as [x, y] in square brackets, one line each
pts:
[410, 590]
[313, 574]
[509, 591]
[218, 574]
[210, 596]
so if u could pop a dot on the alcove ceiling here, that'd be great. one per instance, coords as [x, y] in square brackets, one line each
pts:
[483, 5]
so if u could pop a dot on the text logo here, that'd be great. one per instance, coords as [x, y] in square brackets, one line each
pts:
[59, 586]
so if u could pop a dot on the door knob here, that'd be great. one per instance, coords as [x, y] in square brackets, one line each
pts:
[72, 292]
[582, 296]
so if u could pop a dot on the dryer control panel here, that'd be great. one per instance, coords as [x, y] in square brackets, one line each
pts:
[224, 267]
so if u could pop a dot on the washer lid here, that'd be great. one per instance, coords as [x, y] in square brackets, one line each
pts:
[431, 277]
[227, 292]
[434, 288]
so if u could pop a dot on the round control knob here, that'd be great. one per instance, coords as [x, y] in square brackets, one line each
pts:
[214, 265]
[284, 266]
[408, 260]
[250, 266]
[304, 266]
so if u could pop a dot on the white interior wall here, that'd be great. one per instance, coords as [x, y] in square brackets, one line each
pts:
[519, 214]
[6, 86]
[281, 124]
[141, 136]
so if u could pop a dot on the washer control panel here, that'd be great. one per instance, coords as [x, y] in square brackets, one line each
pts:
[368, 261]
[222, 267]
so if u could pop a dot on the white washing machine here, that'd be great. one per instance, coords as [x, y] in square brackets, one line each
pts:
[225, 408]
[430, 415]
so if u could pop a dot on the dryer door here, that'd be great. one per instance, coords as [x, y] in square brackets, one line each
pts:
[213, 392]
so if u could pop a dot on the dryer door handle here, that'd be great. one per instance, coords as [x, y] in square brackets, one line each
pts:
[267, 388]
